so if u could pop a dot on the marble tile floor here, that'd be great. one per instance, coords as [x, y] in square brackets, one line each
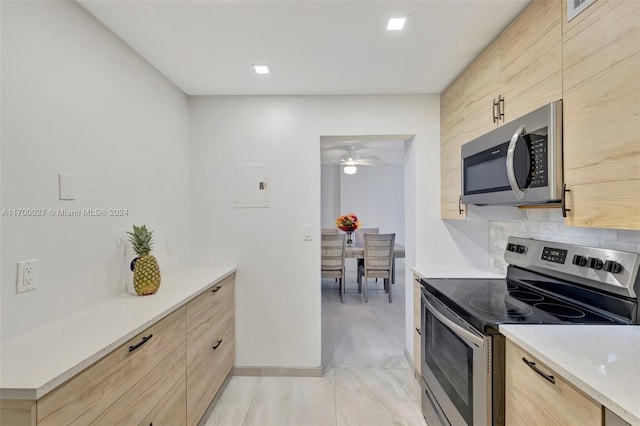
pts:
[367, 380]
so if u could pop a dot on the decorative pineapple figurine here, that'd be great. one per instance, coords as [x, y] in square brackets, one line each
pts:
[146, 272]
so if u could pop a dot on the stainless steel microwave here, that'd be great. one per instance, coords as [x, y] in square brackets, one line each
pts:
[519, 163]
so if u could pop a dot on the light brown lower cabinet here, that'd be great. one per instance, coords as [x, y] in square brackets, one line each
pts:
[536, 395]
[417, 331]
[210, 346]
[166, 375]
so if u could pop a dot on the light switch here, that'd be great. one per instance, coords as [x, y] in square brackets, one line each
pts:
[306, 232]
[67, 186]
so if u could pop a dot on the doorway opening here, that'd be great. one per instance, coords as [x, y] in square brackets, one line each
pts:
[356, 334]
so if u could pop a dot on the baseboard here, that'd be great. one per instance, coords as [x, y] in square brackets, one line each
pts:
[409, 358]
[411, 364]
[278, 371]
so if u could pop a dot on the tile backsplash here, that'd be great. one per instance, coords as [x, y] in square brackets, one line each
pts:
[548, 224]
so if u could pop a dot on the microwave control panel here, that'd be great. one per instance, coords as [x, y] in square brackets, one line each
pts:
[538, 156]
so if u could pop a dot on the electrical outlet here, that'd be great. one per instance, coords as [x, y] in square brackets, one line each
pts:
[27, 279]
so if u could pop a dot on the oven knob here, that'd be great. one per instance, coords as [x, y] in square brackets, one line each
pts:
[520, 249]
[595, 263]
[612, 266]
[579, 260]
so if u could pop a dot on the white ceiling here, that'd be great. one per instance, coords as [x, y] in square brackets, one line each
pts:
[312, 47]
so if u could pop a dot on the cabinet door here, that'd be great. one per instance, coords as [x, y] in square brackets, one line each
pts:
[210, 346]
[451, 139]
[417, 331]
[531, 59]
[86, 396]
[601, 65]
[481, 89]
[147, 401]
[17, 412]
[530, 399]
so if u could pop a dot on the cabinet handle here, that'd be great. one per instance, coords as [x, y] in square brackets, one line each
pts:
[460, 211]
[216, 289]
[532, 365]
[419, 332]
[500, 107]
[564, 200]
[494, 110]
[144, 340]
[218, 343]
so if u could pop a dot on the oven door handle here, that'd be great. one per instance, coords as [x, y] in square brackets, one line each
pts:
[460, 331]
[511, 171]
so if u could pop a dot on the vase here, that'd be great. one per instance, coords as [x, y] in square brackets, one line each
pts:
[349, 239]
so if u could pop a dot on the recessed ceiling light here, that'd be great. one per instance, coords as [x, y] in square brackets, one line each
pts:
[396, 24]
[261, 69]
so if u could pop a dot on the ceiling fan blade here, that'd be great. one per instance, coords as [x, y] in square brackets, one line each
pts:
[370, 161]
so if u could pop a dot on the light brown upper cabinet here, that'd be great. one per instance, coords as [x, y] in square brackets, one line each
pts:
[531, 60]
[601, 83]
[451, 139]
[518, 72]
[481, 93]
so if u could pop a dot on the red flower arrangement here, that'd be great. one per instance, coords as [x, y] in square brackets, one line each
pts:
[348, 223]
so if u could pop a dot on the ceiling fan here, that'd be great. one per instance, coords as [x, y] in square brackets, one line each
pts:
[351, 160]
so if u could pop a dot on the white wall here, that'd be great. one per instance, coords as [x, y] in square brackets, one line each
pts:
[76, 99]
[278, 280]
[330, 195]
[376, 195]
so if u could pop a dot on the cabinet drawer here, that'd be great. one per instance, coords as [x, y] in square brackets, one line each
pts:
[207, 367]
[202, 308]
[532, 399]
[87, 395]
[148, 401]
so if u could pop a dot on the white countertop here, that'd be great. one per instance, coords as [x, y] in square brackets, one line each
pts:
[603, 361]
[461, 272]
[36, 362]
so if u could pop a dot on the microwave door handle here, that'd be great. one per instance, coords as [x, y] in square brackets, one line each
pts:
[511, 171]
[461, 332]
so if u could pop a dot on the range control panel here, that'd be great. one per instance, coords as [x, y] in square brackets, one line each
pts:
[611, 270]
[554, 255]
[538, 156]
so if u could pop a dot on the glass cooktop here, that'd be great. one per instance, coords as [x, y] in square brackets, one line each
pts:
[487, 303]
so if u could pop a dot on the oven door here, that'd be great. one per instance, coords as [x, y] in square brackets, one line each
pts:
[456, 365]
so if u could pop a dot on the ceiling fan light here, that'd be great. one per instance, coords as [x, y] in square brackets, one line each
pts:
[350, 170]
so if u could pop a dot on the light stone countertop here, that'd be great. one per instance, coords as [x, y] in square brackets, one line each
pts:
[36, 362]
[603, 361]
[460, 272]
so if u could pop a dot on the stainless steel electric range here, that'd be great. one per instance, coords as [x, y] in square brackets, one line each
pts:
[546, 283]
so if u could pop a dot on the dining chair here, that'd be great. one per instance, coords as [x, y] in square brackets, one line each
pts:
[360, 241]
[333, 252]
[378, 262]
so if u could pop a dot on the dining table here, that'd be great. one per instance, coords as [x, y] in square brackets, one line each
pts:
[357, 251]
